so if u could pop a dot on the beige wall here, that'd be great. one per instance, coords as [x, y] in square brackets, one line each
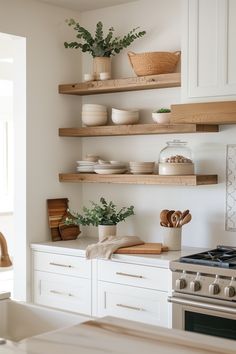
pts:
[48, 64]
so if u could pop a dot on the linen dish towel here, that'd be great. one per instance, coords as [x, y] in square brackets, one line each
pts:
[105, 248]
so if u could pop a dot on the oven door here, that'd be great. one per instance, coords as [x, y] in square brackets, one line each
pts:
[204, 315]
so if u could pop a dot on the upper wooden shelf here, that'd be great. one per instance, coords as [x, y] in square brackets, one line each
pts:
[122, 85]
[190, 180]
[137, 129]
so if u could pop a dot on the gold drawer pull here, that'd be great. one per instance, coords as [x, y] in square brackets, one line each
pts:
[60, 265]
[129, 275]
[60, 293]
[130, 307]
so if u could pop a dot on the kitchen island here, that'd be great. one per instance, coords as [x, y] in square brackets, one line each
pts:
[118, 336]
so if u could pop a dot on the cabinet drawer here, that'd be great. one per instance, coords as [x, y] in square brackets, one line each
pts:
[137, 304]
[62, 264]
[133, 274]
[62, 292]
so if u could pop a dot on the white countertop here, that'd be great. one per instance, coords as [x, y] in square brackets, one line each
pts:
[78, 247]
[118, 336]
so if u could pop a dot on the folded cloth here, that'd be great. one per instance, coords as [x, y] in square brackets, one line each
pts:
[105, 248]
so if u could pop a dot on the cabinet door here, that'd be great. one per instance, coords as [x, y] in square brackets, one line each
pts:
[62, 292]
[137, 304]
[209, 52]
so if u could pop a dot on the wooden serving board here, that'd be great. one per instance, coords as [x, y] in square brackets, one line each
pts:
[146, 248]
[56, 210]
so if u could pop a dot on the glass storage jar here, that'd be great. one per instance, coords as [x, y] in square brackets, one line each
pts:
[176, 159]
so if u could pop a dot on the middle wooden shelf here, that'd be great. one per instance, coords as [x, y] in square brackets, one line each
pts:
[138, 129]
[126, 178]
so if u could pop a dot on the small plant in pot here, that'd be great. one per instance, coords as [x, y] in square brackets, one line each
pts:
[162, 116]
[105, 215]
[101, 46]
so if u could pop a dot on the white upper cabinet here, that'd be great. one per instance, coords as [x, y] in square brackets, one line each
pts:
[208, 50]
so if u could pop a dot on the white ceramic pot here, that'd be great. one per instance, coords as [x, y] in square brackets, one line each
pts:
[161, 118]
[101, 65]
[172, 237]
[106, 230]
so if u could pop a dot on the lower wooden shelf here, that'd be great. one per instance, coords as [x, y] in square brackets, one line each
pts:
[189, 180]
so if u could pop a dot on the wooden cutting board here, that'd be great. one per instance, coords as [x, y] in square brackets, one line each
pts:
[146, 248]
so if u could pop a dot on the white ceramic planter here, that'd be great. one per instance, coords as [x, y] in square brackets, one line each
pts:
[161, 118]
[106, 230]
[172, 237]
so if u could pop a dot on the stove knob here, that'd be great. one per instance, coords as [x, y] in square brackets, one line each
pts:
[180, 283]
[229, 291]
[214, 289]
[195, 285]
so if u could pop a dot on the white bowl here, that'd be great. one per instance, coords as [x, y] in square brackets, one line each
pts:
[119, 119]
[87, 107]
[124, 111]
[94, 114]
[161, 118]
[94, 120]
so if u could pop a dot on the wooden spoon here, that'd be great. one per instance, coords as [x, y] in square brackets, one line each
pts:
[175, 218]
[185, 220]
[163, 216]
[168, 216]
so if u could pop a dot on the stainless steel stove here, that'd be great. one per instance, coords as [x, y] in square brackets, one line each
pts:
[204, 292]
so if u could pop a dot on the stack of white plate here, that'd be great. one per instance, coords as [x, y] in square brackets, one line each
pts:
[120, 116]
[142, 167]
[85, 166]
[110, 168]
[94, 114]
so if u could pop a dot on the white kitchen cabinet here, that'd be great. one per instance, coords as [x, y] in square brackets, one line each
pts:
[134, 291]
[208, 50]
[62, 281]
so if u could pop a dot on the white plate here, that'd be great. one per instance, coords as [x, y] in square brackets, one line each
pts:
[85, 163]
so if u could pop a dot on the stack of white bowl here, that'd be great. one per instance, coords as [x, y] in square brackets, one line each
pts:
[110, 167]
[121, 116]
[142, 167]
[94, 114]
[85, 166]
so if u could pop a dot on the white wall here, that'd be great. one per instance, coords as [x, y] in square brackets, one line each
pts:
[162, 20]
[48, 64]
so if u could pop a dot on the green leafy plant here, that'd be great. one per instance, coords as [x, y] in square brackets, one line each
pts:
[163, 110]
[101, 214]
[100, 45]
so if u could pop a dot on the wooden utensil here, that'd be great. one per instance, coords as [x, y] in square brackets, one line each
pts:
[168, 216]
[175, 218]
[186, 219]
[163, 216]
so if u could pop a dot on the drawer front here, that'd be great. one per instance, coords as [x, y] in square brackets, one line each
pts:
[62, 264]
[137, 304]
[62, 292]
[133, 274]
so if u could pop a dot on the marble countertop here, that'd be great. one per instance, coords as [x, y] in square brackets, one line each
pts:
[118, 336]
[78, 247]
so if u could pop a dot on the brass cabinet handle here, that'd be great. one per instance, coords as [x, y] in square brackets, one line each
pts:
[130, 307]
[60, 293]
[60, 265]
[129, 275]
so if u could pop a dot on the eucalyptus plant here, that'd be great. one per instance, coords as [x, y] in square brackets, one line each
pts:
[100, 45]
[105, 213]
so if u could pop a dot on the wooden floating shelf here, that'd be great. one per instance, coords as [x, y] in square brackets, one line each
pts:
[122, 85]
[190, 180]
[137, 129]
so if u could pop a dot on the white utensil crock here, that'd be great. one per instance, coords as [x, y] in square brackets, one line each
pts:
[172, 237]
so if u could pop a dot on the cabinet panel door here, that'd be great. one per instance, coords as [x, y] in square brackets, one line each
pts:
[137, 304]
[62, 292]
[135, 275]
[209, 52]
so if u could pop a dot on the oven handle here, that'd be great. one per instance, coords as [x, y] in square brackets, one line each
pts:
[202, 305]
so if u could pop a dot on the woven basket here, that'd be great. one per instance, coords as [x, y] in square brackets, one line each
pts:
[154, 63]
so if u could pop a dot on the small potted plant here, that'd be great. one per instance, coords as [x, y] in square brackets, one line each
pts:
[99, 46]
[162, 116]
[104, 215]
